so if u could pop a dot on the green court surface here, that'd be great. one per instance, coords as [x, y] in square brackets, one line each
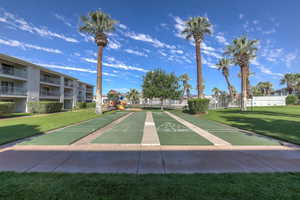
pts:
[129, 131]
[227, 133]
[71, 134]
[171, 132]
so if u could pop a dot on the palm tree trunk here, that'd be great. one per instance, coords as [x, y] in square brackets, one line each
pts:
[99, 81]
[244, 72]
[161, 104]
[229, 87]
[199, 69]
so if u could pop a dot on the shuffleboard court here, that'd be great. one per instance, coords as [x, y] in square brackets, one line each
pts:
[227, 133]
[171, 132]
[129, 131]
[71, 134]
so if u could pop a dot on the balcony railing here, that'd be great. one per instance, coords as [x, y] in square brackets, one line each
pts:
[49, 94]
[68, 95]
[14, 72]
[15, 91]
[68, 84]
[50, 80]
[90, 90]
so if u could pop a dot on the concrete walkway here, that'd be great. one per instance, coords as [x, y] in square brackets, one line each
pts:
[210, 137]
[91, 137]
[140, 159]
[150, 136]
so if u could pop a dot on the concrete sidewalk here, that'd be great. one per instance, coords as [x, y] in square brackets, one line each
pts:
[139, 159]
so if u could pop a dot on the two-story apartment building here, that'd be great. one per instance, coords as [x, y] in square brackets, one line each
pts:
[22, 82]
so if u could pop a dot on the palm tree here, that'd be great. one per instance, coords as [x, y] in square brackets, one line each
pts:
[223, 65]
[98, 24]
[197, 28]
[133, 96]
[248, 86]
[243, 51]
[186, 86]
[290, 80]
[265, 88]
[216, 92]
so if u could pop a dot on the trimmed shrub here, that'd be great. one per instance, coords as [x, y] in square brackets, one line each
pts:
[81, 105]
[7, 107]
[91, 105]
[45, 107]
[291, 100]
[198, 105]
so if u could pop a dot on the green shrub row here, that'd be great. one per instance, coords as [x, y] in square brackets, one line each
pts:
[7, 107]
[198, 105]
[82, 105]
[291, 100]
[44, 107]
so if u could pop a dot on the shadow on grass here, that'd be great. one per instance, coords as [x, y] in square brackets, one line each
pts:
[278, 128]
[17, 132]
[259, 112]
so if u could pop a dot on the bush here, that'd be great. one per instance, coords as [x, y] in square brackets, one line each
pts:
[81, 105]
[7, 107]
[198, 105]
[91, 105]
[45, 107]
[291, 100]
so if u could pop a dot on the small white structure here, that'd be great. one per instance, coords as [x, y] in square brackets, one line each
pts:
[267, 101]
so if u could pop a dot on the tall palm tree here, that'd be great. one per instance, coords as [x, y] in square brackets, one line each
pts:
[186, 86]
[133, 96]
[216, 92]
[223, 65]
[197, 28]
[98, 24]
[290, 80]
[243, 51]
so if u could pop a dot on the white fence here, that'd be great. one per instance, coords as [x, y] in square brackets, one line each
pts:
[267, 101]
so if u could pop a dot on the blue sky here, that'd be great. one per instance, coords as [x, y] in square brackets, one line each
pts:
[147, 37]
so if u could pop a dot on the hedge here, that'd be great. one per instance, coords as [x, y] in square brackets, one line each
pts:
[44, 107]
[198, 105]
[82, 105]
[291, 100]
[91, 105]
[7, 107]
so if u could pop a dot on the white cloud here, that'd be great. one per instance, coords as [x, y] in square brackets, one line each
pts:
[74, 69]
[113, 44]
[290, 58]
[21, 24]
[15, 43]
[268, 71]
[122, 26]
[179, 26]
[118, 65]
[138, 53]
[241, 16]
[63, 19]
[269, 31]
[221, 39]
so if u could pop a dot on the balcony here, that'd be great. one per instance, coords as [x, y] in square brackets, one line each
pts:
[52, 94]
[89, 90]
[11, 71]
[68, 95]
[51, 80]
[68, 84]
[12, 91]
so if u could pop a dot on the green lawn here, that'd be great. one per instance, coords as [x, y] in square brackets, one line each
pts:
[278, 122]
[278, 186]
[71, 134]
[229, 134]
[129, 131]
[171, 132]
[18, 128]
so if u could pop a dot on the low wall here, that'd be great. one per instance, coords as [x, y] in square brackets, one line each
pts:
[267, 101]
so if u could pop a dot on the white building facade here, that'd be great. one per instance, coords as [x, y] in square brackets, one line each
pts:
[23, 82]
